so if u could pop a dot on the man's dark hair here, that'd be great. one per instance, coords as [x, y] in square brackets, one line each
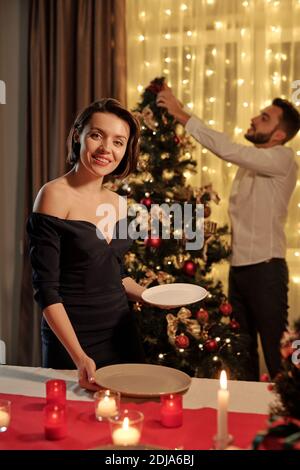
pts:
[290, 119]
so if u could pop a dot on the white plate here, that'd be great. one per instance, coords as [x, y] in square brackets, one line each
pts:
[174, 295]
[142, 380]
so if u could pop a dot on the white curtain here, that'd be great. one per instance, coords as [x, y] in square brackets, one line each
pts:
[225, 60]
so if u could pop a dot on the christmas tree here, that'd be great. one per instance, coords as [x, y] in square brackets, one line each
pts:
[203, 338]
[283, 431]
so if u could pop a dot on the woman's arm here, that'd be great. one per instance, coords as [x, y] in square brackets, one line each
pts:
[133, 289]
[61, 326]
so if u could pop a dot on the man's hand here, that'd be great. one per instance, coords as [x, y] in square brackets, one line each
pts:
[166, 99]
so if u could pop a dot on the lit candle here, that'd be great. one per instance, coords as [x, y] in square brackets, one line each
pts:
[55, 422]
[106, 407]
[171, 410]
[56, 392]
[126, 435]
[223, 398]
[4, 419]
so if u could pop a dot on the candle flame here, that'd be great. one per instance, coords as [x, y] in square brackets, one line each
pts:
[223, 380]
[125, 423]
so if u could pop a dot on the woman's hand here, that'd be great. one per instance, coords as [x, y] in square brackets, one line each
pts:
[86, 371]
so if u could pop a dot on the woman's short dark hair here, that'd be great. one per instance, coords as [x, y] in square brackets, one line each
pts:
[107, 105]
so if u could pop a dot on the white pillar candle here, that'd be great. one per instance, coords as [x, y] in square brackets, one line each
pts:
[4, 419]
[106, 407]
[223, 398]
[126, 435]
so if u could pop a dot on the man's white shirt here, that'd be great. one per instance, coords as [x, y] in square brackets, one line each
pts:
[260, 193]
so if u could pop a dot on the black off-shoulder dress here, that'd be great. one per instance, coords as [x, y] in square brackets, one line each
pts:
[73, 266]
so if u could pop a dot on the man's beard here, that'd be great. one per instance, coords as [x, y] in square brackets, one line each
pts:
[258, 138]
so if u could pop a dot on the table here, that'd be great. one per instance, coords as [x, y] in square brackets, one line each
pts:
[246, 397]
[249, 402]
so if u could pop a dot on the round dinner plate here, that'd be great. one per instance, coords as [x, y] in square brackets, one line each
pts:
[174, 295]
[142, 380]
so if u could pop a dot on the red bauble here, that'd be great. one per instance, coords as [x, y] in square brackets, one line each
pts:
[264, 378]
[154, 242]
[207, 211]
[202, 315]
[225, 308]
[146, 201]
[176, 140]
[234, 325]
[189, 267]
[182, 341]
[211, 345]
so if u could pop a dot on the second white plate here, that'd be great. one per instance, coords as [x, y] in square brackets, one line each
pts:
[174, 295]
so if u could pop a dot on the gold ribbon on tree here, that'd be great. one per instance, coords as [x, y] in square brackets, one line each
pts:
[161, 277]
[183, 316]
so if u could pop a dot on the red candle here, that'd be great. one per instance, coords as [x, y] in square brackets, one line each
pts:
[171, 410]
[55, 422]
[56, 392]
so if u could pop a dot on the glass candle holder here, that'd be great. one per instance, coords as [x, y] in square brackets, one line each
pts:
[171, 413]
[55, 421]
[107, 404]
[126, 428]
[56, 392]
[5, 407]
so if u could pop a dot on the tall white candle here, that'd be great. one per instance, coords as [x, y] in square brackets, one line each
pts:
[223, 398]
[126, 435]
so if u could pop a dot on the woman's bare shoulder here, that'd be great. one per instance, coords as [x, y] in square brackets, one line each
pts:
[53, 198]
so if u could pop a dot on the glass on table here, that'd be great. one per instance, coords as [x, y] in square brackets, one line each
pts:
[107, 404]
[56, 392]
[171, 412]
[126, 428]
[5, 414]
[55, 420]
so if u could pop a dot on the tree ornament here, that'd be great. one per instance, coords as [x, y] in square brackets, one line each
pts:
[234, 325]
[189, 267]
[182, 341]
[264, 378]
[225, 308]
[207, 211]
[176, 140]
[146, 201]
[211, 345]
[153, 242]
[165, 155]
[168, 174]
[202, 315]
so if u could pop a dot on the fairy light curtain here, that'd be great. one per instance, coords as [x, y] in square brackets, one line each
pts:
[225, 60]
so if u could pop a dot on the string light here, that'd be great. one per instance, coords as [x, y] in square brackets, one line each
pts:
[297, 253]
[168, 12]
[214, 52]
[183, 7]
[246, 104]
[218, 24]
[140, 88]
[142, 14]
[240, 81]
[190, 105]
[204, 168]
[209, 72]
[212, 99]
[168, 36]
[188, 56]
[189, 33]
[168, 60]
[141, 37]
[211, 122]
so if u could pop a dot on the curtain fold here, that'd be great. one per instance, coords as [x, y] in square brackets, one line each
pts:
[77, 54]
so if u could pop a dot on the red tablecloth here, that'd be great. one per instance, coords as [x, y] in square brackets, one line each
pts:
[26, 430]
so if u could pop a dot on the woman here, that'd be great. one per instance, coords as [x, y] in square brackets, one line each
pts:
[77, 267]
